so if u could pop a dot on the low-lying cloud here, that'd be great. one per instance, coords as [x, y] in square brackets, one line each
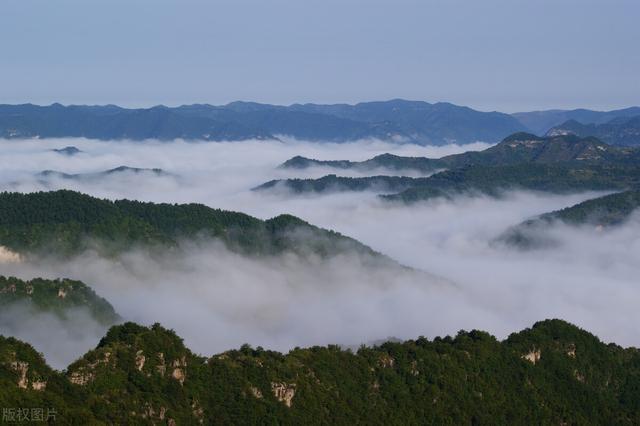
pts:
[218, 300]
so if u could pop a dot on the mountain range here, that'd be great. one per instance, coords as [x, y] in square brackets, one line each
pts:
[521, 161]
[540, 122]
[396, 120]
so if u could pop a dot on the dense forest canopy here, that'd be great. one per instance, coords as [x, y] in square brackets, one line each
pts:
[552, 373]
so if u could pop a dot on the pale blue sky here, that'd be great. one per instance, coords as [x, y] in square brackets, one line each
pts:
[507, 55]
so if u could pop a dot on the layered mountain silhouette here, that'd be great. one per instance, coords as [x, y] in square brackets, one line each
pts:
[396, 120]
[624, 131]
[562, 163]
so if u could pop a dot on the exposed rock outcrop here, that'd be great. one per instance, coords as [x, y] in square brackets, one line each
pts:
[284, 392]
[533, 356]
[179, 372]
[140, 360]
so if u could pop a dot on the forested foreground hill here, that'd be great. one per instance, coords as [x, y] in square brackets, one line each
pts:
[66, 223]
[553, 373]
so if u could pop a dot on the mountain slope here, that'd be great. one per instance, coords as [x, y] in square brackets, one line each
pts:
[599, 213]
[384, 161]
[333, 183]
[624, 131]
[521, 161]
[516, 148]
[48, 174]
[67, 223]
[58, 297]
[553, 373]
[493, 180]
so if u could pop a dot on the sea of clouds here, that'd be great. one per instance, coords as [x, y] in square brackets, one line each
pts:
[218, 300]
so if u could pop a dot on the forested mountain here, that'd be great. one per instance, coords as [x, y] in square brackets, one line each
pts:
[384, 161]
[396, 120]
[66, 222]
[540, 122]
[559, 164]
[333, 183]
[624, 131]
[493, 180]
[49, 174]
[599, 213]
[517, 148]
[552, 373]
[58, 297]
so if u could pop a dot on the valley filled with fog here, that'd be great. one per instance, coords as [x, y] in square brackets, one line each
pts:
[217, 299]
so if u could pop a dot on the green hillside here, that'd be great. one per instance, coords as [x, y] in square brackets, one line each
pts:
[552, 373]
[333, 183]
[493, 180]
[515, 149]
[599, 213]
[58, 297]
[64, 223]
[559, 164]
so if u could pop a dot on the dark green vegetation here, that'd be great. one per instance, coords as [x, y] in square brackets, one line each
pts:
[599, 213]
[58, 297]
[418, 122]
[559, 164]
[64, 223]
[385, 161]
[540, 122]
[493, 181]
[619, 131]
[553, 373]
[515, 149]
[335, 183]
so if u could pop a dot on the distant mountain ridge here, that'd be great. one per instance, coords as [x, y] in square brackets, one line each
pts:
[540, 122]
[395, 120]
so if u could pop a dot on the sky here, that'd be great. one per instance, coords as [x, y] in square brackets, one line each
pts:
[506, 55]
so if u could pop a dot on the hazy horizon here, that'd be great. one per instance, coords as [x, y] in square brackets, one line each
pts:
[497, 55]
[146, 106]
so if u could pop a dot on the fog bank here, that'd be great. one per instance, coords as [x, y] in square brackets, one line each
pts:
[218, 300]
